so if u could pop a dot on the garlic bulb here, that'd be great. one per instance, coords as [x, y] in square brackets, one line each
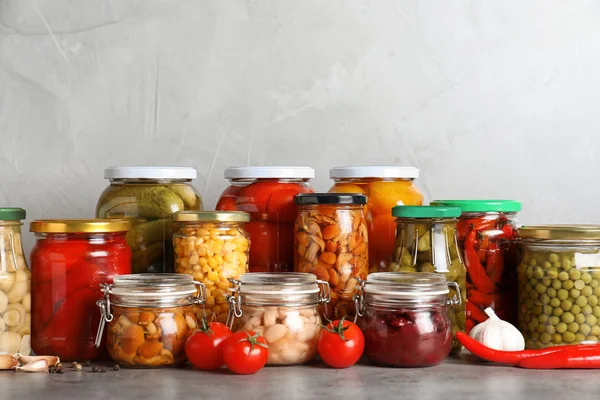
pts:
[498, 334]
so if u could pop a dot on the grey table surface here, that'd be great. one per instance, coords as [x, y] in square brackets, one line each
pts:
[455, 379]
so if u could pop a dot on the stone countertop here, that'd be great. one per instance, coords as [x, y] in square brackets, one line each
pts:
[455, 379]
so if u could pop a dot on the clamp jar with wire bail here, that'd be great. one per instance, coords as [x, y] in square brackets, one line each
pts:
[405, 317]
[283, 308]
[149, 316]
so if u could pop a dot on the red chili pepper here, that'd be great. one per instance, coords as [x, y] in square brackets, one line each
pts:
[470, 324]
[494, 266]
[475, 270]
[482, 246]
[480, 299]
[475, 313]
[574, 358]
[511, 357]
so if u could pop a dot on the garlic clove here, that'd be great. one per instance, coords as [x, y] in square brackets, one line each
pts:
[10, 342]
[34, 366]
[20, 288]
[8, 362]
[27, 302]
[25, 347]
[14, 316]
[7, 280]
[3, 302]
[50, 360]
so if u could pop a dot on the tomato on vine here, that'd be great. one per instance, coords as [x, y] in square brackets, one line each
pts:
[341, 344]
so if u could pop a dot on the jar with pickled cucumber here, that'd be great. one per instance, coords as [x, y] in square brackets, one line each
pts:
[15, 285]
[386, 187]
[559, 285]
[212, 247]
[426, 241]
[148, 197]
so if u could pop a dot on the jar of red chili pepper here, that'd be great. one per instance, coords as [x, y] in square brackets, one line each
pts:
[267, 194]
[386, 187]
[405, 318]
[426, 242]
[70, 259]
[488, 240]
[15, 285]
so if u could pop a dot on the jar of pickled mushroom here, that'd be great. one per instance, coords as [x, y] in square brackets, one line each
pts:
[405, 318]
[149, 316]
[15, 285]
[148, 196]
[283, 308]
[426, 241]
[70, 259]
[386, 187]
[267, 194]
[487, 236]
[331, 241]
[212, 246]
[559, 285]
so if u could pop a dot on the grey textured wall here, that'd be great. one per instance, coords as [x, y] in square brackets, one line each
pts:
[487, 98]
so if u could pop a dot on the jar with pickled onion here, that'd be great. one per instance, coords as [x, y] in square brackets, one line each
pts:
[70, 259]
[386, 187]
[267, 194]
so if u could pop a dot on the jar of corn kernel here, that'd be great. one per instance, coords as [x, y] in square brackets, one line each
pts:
[212, 246]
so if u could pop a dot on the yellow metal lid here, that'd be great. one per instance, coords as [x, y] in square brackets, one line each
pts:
[208, 216]
[96, 225]
[561, 232]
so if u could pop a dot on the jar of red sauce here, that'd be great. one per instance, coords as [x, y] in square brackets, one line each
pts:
[70, 259]
[405, 318]
[386, 187]
[267, 194]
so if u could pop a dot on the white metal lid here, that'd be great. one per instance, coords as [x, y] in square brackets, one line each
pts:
[149, 172]
[374, 171]
[269, 171]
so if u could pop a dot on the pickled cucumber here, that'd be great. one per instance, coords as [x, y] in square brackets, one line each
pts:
[558, 296]
[190, 199]
[139, 201]
[143, 260]
[148, 233]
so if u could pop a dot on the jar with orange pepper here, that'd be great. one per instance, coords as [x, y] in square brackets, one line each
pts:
[267, 194]
[386, 187]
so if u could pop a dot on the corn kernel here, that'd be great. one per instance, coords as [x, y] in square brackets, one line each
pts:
[193, 259]
[210, 301]
[221, 300]
[202, 262]
[223, 285]
[212, 263]
[213, 276]
[229, 257]
[218, 259]
[206, 269]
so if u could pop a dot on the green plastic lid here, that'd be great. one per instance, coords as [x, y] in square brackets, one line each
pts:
[481, 205]
[425, 212]
[11, 214]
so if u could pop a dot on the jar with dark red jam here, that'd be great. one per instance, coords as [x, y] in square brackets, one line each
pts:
[405, 318]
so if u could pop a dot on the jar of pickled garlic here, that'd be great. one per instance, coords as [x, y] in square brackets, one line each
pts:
[212, 246]
[282, 307]
[405, 318]
[426, 241]
[331, 241]
[15, 285]
[386, 187]
[487, 237]
[149, 316]
[147, 197]
[70, 259]
[559, 285]
[267, 194]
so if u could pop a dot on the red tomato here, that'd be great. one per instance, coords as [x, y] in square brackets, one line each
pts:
[341, 344]
[271, 248]
[245, 352]
[273, 201]
[227, 200]
[204, 348]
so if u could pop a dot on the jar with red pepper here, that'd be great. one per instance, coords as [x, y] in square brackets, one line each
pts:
[405, 318]
[267, 194]
[488, 241]
[70, 259]
[426, 242]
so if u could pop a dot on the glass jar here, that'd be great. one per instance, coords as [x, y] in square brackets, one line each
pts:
[70, 259]
[212, 246]
[487, 236]
[150, 316]
[386, 187]
[15, 285]
[331, 241]
[148, 196]
[282, 307]
[426, 242]
[405, 318]
[267, 194]
[559, 285]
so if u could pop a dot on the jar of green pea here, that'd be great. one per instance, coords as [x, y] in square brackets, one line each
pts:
[559, 285]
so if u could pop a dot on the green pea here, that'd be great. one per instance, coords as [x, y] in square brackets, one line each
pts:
[538, 273]
[579, 284]
[533, 282]
[574, 293]
[534, 335]
[550, 329]
[554, 302]
[540, 288]
[557, 264]
[556, 338]
[580, 318]
[540, 328]
[591, 339]
[568, 337]
[575, 309]
[556, 284]
[574, 273]
[553, 257]
[545, 299]
[595, 330]
[567, 285]
[594, 283]
[567, 318]
[528, 303]
[586, 278]
[551, 272]
[554, 320]
[563, 275]
[546, 264]
[566, 305]
[581, 301]
[573, 327]
[591, 320]
[537, 310]
[545, 338]
[558, 312]
[579, 337]
[587, 291]
[543, 319]
[584, 329]
[597, 291]
[529, 273]
[528, 287]
[561, 328]
[534, 295]
[596, 274]
[533, 262]
[546, 281]
[596, 311]
[546, 310]
[586, 310]
[562, 294]
[566, 264]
